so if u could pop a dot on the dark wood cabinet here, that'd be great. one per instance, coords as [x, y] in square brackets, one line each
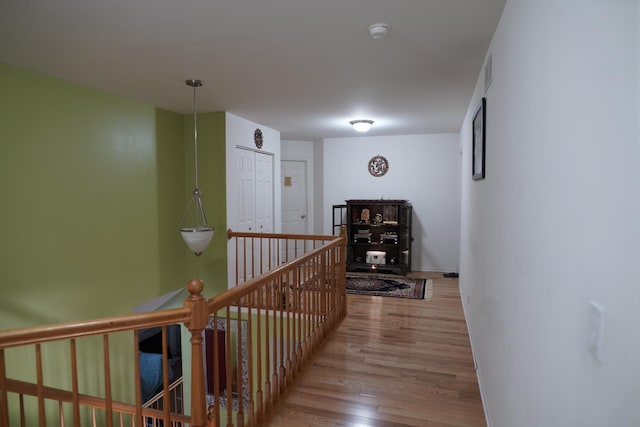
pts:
[379, 235]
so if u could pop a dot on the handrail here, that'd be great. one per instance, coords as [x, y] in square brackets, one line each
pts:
[66, 396]
[313, 237]
[68, 330]
[263, 332]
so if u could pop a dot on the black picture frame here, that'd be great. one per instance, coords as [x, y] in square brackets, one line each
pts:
[479, 141]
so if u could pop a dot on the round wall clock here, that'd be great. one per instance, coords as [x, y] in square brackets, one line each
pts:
[257, 138]
[378, 166]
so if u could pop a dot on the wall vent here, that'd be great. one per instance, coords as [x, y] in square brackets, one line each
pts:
[488, 72]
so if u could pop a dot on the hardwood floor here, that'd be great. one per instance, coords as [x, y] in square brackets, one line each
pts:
[392, 362]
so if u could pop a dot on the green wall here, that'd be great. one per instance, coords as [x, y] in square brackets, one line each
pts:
[92, 189]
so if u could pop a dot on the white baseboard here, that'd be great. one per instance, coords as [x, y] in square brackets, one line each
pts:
[475, 363]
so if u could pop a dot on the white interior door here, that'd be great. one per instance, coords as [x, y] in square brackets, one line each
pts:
[294, 199]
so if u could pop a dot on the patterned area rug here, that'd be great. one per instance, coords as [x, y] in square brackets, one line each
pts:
[388, 286]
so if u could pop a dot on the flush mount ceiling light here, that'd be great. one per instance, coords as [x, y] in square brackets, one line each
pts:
[361, 125]
[379, 30]
[198, 236]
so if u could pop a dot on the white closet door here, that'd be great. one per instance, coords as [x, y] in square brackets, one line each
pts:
[254, 212]
[264, 192]
[245, 187]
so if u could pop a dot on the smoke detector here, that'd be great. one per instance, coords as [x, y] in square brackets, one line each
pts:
[378, 30]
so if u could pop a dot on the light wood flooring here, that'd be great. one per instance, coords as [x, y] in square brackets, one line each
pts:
[392, 362]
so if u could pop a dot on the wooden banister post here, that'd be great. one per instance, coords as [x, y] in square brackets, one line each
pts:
[343, 269]
[199, 317]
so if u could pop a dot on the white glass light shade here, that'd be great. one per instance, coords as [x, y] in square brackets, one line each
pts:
[197, 238]
[361, 125]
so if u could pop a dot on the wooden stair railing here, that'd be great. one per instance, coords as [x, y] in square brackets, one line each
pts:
[31, 403]
[246, 348]
[287, 312]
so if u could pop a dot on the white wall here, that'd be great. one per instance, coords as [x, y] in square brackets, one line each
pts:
[423, 169]
[556, 222]
[318, 188]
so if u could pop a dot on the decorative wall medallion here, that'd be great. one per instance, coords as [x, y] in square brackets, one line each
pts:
[257, 138]
[378, 166]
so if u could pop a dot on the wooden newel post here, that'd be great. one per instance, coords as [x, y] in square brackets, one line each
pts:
[199, 317]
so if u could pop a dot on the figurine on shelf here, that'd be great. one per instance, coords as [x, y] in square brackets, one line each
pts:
[364, 215]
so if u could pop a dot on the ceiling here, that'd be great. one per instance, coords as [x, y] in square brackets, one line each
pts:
[302, 67]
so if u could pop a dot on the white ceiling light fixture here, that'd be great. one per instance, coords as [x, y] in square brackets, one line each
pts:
[379, 30]
[361, 125]
[198, 236]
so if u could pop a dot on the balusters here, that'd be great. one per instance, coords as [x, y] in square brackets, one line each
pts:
[40, 387]
[285, 316]
[229, 365]
[259, 395]
[251, 407]
[238, 369]
[74, 383]
[4, 405]
[165, 376]
[138, 385]
[107, 380]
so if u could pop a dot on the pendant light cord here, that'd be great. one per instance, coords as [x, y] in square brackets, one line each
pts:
[199, 208]
[195, 139]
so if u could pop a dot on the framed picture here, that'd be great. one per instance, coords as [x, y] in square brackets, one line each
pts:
[479, 141]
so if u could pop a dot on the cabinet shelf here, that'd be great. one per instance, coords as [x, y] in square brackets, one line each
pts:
[374, 224]
[373, 244]
[375, 268]
[375, 219]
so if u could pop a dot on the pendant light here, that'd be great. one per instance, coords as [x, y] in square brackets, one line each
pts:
[198, 236]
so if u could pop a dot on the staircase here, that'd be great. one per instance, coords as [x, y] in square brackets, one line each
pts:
[246, 347]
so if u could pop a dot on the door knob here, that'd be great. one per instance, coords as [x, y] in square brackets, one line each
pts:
[303, 216]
